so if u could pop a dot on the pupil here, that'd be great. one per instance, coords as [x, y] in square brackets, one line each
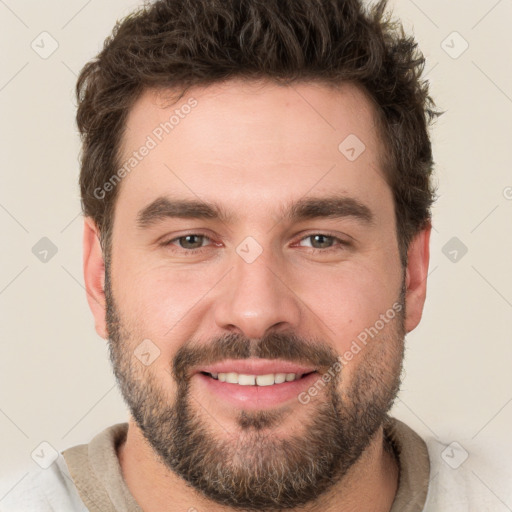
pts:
[322, 236]
[187, 244]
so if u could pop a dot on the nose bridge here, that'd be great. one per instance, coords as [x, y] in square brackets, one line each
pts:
[254, 299]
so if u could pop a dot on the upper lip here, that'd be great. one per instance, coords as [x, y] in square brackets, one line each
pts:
[256, 367]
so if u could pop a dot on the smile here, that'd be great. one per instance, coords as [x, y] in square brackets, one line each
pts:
[269, 379]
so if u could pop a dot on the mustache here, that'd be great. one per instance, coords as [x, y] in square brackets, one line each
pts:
[284, 345]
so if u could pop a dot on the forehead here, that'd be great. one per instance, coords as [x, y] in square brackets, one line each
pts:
[251, 145]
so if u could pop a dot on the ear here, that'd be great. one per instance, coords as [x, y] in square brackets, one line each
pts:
[418, 257]
[94, 275]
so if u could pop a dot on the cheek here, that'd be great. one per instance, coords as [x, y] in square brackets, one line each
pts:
[349, 301]
[161, 303]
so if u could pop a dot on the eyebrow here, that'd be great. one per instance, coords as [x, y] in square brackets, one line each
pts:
[333, 207]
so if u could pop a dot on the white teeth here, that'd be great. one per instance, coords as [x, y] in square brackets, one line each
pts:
[265, 380]
[232, 378]
[260, 380]
[247, 380]
[280, 378]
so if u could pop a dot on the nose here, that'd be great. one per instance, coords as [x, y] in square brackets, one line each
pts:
[257, 297]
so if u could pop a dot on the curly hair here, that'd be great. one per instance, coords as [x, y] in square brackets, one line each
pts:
[179, 44]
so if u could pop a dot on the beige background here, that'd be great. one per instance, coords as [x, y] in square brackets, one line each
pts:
[56, 384]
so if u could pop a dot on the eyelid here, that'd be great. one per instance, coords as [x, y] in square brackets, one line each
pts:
[338, 241]
[164, 240]
[190, 233]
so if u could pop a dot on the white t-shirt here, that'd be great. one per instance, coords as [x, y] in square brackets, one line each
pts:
[44, 490]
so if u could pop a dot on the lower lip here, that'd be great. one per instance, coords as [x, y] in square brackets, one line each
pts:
[257, 397]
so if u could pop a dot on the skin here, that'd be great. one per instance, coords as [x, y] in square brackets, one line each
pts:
[252, 149]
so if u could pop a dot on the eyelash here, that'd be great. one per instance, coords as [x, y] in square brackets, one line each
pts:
[192, 252]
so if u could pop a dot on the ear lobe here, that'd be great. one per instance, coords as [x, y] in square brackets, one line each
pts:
[94, 275]
[418, 256]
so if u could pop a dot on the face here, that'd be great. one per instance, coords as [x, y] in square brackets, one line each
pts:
[286, 263]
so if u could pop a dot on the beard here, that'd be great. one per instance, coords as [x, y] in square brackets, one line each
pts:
[250, 468]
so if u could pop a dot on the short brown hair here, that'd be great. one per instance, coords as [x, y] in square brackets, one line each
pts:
[178, 44]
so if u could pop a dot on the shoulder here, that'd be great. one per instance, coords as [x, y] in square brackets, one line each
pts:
[465, 476]
[43, 490]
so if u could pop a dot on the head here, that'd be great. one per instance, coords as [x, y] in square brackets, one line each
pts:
[282, 131]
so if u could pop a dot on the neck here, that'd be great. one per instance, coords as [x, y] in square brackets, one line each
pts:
[370, 484]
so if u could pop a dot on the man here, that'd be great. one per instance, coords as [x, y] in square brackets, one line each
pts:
[255, 181]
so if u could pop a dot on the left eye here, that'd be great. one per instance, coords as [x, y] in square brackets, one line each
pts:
[325, 241]
[191, 241]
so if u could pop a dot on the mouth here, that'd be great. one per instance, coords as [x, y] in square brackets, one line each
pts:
[269, 379]
[257, 385]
